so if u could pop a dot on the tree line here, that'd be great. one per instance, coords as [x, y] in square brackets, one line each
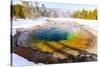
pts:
[16, 10]
[22, 11]
[86, 14]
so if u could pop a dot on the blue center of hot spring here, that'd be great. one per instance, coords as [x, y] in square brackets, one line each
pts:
[52, 34]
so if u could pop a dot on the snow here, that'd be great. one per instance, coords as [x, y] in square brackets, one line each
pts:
[25, 23]
[28, 23]
[21, 23]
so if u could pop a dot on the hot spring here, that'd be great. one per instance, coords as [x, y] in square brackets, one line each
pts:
[53, 34]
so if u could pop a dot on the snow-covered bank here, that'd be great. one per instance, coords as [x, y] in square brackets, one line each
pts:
[86, 22]
[27, 23]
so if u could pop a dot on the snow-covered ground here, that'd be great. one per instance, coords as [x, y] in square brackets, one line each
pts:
[27, 23]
